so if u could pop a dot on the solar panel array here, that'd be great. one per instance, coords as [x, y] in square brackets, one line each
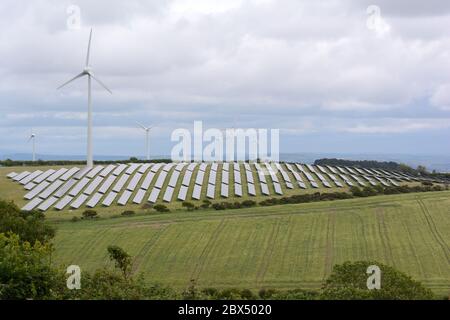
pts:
[103, 185]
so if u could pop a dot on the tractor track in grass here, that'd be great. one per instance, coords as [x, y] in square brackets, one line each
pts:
[267, 257]
[330, 235]
[145, 248]
[207, 250]
[384, 236]
[433, 229]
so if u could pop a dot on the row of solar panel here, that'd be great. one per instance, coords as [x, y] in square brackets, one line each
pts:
[43, 184]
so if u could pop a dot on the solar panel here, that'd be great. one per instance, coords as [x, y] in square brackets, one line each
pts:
[297, 176]
[154, 195]
[30, 186]
[168, 194]
[120, 183]
[289, 185]
[47, 203]
[210, 192]
[144, 167]
[32, 204]
[264, 189]
[139, 196]
[119, 169]
[203, 167]
[109, 199]
[187, 178]
[132, 168]
[301, 184]
[226, 166]
[94, 200]
[22, 175]
[393, 182]
[168, 166]
[333, 170]
[249, 176]
[336, 182]
[30, 177]
[224, 190]
[180, 166]
[200, 177]
[39, 188]
[107, 184]
[257, 166]
[341, 170]
[95, 170]
[57, 174]
[238, 190]
[107, 170]
[156, 167]
[134, 181]
[161, 178]
[174, 178]
[63, 203]
[148, 180]
[314, 184]
[11, 175]
[44, 176]
[196, 194]
[66, 176]
[310, 168]
[80, 185]
[66, 187]
[261, 176]
[80, 174]
[212, 177]
[214, 166]
[247, 166]
[326, 183]
[93, 185]
[277, 188]
[183, 192]
[50, 189]
[79, 201]
[322, 169]
[191, 166]
[357, 179]
[251, 189]
[309, 177]
[299, 167]
[350, 170]
[237, 177]
[225, 178]
[124, 198]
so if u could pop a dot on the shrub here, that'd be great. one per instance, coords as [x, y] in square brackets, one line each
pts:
[427, 183]
[147, 206]
[161, 208]
[248, 203]
[188, 205]
[349, 281]
[128, 213]
[205, 205]
[75, 219]
[89, 214]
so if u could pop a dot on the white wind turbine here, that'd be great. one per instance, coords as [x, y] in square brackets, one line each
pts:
[147, 132]
[33, 138]
[87, 71]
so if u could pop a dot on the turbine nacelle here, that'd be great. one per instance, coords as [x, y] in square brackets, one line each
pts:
[88, 70]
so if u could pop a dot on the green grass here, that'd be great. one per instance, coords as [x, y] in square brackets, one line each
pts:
[281, 247]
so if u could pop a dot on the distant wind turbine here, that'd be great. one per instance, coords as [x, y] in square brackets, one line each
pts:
[87, 71]
[147, 132]
[33, 138]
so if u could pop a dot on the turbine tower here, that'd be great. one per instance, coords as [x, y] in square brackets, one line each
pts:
[87, 71]
[147, 132]
[33, 138]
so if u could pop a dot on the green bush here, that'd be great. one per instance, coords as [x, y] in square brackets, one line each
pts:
[89, 214]
[161, 208]
[128, 213]
[188, 205]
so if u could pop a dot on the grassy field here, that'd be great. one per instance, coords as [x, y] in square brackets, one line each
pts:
[282, 247]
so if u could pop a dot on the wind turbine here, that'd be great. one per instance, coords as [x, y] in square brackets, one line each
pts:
[147, 132]
[87, 71]
[33, 138]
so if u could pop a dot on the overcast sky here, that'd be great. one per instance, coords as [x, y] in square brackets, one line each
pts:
[331, 75]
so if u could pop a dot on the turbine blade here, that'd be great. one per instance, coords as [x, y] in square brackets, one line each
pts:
[65, 83]
[141, 125]
[88, 48]
[101, 83]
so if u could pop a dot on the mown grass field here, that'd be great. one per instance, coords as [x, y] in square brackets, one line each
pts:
[289, 246]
